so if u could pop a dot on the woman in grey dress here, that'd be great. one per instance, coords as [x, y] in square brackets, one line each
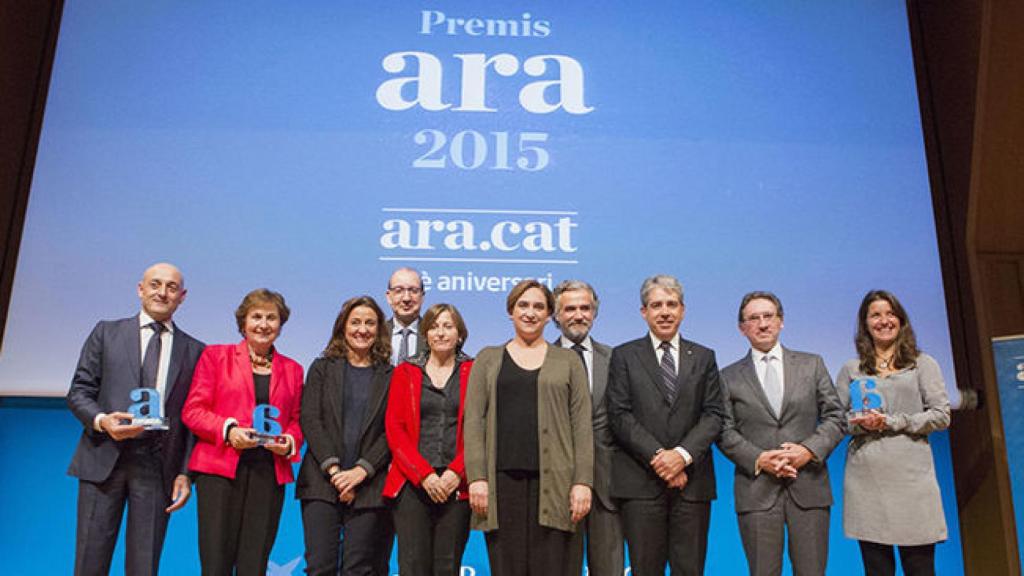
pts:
[897, 397]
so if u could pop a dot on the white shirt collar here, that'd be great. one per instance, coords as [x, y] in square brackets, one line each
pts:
[775, 352]
[656, 342]
[146, 320]
[397, 326]
[588, 345]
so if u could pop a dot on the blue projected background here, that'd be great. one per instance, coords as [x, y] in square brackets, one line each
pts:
[313, 147]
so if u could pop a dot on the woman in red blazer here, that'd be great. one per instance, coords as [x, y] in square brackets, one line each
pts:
[239, 480]
[427, 479]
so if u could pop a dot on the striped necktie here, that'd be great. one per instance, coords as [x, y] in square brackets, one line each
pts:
[668, 371]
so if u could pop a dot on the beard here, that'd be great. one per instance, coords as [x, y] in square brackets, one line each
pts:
[576, 332]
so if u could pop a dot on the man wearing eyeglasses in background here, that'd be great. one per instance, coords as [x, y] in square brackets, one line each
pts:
[783, 419]
[405, 296]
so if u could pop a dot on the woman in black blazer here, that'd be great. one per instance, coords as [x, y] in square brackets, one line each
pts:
[343, 472]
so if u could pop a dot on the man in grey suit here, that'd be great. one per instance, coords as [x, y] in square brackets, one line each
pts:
[119, 464]
[665, 410]
[405, 297]
[783, 419]
[576, 306]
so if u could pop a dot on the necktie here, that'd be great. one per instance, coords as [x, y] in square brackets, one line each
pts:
[668, 370]
[579, 349]
[151, 360]
[403, 347]
[772, 385]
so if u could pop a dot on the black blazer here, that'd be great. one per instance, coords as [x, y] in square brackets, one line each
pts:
[108, 369]
[642, 420]
[322, 424]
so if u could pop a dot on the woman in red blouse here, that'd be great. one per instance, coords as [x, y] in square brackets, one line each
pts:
[239, 480]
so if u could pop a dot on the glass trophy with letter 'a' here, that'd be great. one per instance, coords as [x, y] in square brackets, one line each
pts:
[267, 428]
[865, 397]
[147, 409]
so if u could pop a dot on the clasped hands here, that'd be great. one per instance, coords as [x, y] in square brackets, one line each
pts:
[346, 481]
[785, 461]
[670, 466]
[440, 488]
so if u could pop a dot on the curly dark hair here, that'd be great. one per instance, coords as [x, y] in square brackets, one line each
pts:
[337, 347]
[906, 343]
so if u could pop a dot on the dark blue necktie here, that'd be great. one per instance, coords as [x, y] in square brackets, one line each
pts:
[151, 360]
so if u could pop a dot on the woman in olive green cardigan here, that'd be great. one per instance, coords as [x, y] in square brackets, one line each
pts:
[528, 441]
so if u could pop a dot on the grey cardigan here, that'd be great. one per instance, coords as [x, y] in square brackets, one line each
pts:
[566, 436]
[890, 493]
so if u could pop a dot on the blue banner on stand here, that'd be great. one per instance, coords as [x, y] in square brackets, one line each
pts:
[1008, 353]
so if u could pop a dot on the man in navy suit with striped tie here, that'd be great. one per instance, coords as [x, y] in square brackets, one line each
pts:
[665, 411]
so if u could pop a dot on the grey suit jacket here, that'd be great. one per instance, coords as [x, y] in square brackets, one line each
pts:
[812, 415]
[108, 369]
[604, 444]
[421, 342]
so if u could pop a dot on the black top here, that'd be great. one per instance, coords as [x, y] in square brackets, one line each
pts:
[357, 393]
[261, 386]
[439, 419]
[517, 446]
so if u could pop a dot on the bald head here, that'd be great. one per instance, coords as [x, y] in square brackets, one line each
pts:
[161, 291]
[405, 295]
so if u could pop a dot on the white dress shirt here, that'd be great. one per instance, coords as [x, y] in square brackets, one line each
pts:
[396, 337]
[674, 350]
[761, 367]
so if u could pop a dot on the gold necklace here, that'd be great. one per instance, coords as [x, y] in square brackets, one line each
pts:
[261, 361]
[884, 363]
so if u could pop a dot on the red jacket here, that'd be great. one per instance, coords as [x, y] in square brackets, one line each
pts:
[222, 389]
[402, 425]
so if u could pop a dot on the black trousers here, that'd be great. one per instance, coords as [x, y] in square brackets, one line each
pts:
[136, 482]
[238, 519]
[521, 546]
[365, 549]
[666, 529]
[431, 536]
[880, 559]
